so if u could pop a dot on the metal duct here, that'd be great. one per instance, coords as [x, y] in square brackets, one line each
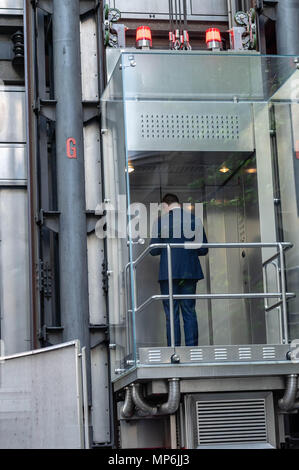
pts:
[168, 408]
[128, 407]
[140, 402]
[173, 401]
[288, 401]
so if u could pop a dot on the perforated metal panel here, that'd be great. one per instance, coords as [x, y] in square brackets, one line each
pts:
[189, 126]
[216, 354]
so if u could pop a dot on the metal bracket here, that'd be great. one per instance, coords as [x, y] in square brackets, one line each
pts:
[45, 5]
[105, 279]
[45, 331]
[49, 219]
[91, 220]
[45, 279]
[268, 6]
[47, 108]
[88, 6]
[100, 335]
[91, 110]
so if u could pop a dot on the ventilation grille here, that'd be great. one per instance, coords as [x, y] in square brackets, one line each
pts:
[190, 126]
[231, 421]
[196, 355]
[269, 352]
[154, 355]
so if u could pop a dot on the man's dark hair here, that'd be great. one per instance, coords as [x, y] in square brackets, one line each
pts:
[170, 199]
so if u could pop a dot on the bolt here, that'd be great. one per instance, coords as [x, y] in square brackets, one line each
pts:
[175, 359]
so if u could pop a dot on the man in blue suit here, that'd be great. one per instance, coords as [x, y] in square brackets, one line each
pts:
[186, 268]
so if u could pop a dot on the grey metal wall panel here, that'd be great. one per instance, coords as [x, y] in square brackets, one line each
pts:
[14, 269]
[209, 7]
[13, 166]
[100, 412]
[146, 6]
[189, 126]
[100, 393]
[11, 4]
[41, 399]
[12, 116]
[159, 9]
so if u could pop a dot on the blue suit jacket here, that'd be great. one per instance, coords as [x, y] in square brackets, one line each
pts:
[185, 262]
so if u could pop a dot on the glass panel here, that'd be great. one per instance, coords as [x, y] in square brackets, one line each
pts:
[226, 187]
[208, 76]
[285, 154]
[114, 226]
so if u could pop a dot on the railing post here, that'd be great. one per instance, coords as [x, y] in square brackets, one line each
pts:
[170, 290]
[278, 275]
[134, 306]
[283, 293]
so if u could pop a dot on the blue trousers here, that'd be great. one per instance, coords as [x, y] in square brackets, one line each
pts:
[183, 286]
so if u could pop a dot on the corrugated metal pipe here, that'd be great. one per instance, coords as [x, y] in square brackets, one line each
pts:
[167, 408]
[174, 396]
[128, 407]
[288, 402]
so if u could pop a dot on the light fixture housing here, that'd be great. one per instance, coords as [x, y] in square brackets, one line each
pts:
[213, 38]
[143, 37]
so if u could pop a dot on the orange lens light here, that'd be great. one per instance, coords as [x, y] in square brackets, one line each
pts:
[224, 169]
[213, 34]
[144, 33]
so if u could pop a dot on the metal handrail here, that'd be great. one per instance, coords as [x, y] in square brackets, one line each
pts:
[282, 294]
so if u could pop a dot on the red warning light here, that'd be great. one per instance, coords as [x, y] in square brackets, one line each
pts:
[213, 38]
[144, 36]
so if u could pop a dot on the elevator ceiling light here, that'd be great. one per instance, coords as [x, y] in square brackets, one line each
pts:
[224, 169]
[143, 37]
[213, 38]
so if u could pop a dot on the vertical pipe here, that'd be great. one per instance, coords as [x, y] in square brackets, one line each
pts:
[229, 14]
[170, 290]
[173, 431]
[31, 162]
[283, 292]
[70, 171]
[287, 31]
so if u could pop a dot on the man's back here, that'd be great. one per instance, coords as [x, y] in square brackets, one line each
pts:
[179, 226]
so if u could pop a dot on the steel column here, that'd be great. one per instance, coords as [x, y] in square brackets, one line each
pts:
[287, 31]
[70, 171]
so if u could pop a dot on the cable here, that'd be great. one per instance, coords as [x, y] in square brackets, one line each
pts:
[180, 16]
[185, 13]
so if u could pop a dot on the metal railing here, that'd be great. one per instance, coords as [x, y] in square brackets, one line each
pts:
[282, 295]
